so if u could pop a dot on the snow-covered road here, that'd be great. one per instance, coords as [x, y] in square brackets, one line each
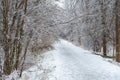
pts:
[73, 63]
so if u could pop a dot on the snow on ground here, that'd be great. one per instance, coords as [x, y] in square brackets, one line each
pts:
[69, 62]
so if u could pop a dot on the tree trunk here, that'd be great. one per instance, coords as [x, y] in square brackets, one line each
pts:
[7, 69]
[117, 24]
[104, 44]
[104, 37]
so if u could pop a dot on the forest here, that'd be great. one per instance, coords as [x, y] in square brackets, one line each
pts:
[29, 28]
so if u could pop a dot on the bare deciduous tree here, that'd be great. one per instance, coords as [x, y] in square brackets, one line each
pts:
[14, 12]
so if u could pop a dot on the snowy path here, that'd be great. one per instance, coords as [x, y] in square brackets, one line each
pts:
[74, 63]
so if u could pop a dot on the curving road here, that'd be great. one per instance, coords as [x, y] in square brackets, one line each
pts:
[74, 63]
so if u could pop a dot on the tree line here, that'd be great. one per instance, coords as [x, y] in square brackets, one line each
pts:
[36, 24]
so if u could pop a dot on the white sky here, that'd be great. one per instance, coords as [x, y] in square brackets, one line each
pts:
[60, 3]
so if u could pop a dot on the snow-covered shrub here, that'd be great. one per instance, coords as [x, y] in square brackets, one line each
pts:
[13, 76]
[42, 40]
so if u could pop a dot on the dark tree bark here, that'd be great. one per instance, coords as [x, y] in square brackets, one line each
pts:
[7, 69]
[117, 24]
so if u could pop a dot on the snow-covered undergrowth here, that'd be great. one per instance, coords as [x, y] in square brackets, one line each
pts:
[69, 62]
